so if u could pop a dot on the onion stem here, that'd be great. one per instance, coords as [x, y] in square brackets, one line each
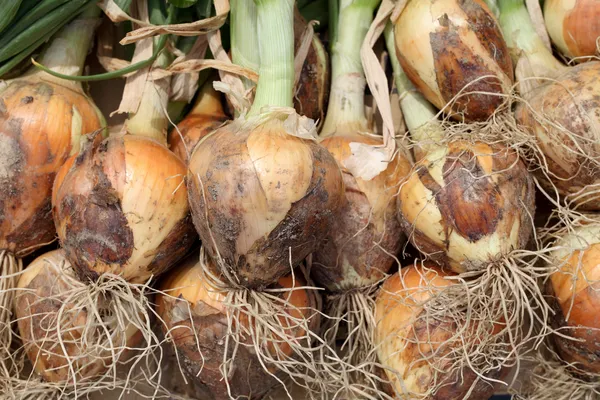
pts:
[346, 110]
[275, 24]
[244, 37]
[419, 114]
[522, 39]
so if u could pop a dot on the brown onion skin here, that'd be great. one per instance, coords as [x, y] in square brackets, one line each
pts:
[38, 123]
[121, 207]
[206, 116]
[208, 314]
[464, 44]
[573, 102]
[269, 198]
[399, 313]
[573, 25]
[576, 307]
[42, 291]
[467, 205]
[349, 257]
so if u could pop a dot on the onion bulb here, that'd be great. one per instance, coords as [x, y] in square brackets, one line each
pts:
[415, 348]
[206, 116]
[574, 290]
[573, 26]
[262, 191]
[197, 318]
[64, 340]
[449, 46]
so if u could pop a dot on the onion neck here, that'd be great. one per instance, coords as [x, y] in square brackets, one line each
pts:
[419, 114]
[522, 39]
[208, 102]
[151, 120]
[346, 109]
[244, 37]
[275, 24]
[69, 48]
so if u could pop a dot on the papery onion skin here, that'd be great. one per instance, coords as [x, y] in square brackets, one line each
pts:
[121, 207]
[365, 236]
[574, 292]
[445, 45]
[262, 199]
[43, 289]
[573, 103]
[202, 345]
[40, 125]
[467, 205]
[403, 336]
[573, 26]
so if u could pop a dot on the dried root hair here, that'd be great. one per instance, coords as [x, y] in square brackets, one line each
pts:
[109, 307]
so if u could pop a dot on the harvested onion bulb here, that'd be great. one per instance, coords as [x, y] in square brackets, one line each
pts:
[198, 320]
[573, 26]
[452, 47]
[415, 348]
[63, 339]
[574, 291]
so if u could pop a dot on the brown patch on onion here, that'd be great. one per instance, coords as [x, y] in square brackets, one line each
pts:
[261, 199]
[117, 210]
[241, 352]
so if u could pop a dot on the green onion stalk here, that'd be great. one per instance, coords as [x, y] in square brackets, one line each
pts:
[560, 112]
[348, 264]
[42, 121]
[263, 194]
[491, 187]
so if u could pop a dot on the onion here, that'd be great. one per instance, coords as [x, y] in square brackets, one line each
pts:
[561, 113]
[574, 291]
[453, 47]
[206, 116]
[198, 320]
[415, 349]
[262, 191]
[573, 25]
[64, 340]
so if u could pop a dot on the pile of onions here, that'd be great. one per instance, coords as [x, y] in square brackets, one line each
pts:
[198, 321]
[364, 237]
[42, 120]
[454, 53]
[64, 340]
[573, 26]
[560, 111]
[415, 349]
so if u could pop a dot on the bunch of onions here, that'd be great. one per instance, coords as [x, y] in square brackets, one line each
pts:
[42, 120]
[559, 111]
[67, 342]
[198, 321]
[206, 116]
[365, 236]
[122, 217]
[573, 26]
[573, 290]
[262, 191]
[415, 349]
[469, 206]
[454, 53]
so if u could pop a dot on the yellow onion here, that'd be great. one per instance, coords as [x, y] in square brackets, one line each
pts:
[63, 340]
[195, 316]
[574, 291]
[121, 207]
[412, 347]
[445, 46]
[466, 205]
[362, 240]
[573, 26]
[206, 116]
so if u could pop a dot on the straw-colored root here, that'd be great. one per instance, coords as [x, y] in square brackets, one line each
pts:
[10, 267]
